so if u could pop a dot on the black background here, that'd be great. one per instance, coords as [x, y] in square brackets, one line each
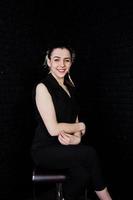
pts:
[102, 35]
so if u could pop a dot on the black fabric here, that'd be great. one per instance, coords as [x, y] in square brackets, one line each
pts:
[79, 162]
[66, 111]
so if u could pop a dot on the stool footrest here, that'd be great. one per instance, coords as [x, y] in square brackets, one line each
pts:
[48, 177]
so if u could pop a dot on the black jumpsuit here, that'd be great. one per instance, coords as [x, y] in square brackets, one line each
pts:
[79, 161]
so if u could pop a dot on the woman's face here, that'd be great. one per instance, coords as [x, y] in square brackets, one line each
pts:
[60, 62]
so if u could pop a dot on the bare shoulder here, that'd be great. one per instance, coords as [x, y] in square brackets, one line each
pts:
[42, 95]
[41, 88]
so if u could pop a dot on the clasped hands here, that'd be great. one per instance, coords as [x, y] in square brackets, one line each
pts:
[73, 138]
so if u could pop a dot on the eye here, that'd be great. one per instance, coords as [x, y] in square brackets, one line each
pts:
[68, 60]
[56, 59]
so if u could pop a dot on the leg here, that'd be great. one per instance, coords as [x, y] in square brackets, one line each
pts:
[76, 182]
[103, 194]
[79, 161]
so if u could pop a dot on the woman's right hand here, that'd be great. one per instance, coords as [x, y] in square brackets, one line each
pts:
[68, 139]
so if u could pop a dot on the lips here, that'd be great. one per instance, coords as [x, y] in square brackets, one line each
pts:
[61, 70]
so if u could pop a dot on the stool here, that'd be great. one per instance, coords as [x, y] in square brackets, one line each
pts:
[43, 176]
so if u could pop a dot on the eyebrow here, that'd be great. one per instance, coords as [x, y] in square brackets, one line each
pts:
[60, 57]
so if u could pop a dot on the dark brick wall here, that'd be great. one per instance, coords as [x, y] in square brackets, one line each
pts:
[102, 35]
[17, 55]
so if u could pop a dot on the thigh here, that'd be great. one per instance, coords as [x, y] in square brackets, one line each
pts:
[64, 156]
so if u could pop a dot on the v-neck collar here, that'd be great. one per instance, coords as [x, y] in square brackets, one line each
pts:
[57, 84]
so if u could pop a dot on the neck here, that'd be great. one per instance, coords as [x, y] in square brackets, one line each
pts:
[59, 80]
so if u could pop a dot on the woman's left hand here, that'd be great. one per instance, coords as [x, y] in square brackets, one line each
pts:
[68, 139]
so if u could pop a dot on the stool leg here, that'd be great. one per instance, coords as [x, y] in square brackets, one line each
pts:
[86, 194]
[60, 194]
[34, 192]
[59, 191]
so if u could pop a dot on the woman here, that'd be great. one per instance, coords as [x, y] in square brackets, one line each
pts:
[57, 142]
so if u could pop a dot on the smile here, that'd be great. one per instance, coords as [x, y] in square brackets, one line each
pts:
[61, 70]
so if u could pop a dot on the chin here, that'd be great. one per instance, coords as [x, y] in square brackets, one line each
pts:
[61, 75]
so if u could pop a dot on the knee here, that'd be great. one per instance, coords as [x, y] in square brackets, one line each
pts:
[92, 152]
[89, 156]
[80, 173]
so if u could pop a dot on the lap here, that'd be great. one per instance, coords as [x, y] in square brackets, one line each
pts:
[64, 156]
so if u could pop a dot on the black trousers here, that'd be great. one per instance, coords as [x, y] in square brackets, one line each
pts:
[80, 163]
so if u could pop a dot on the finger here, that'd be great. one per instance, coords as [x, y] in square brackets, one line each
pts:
[62, 141]
[65, 139]
[65, 135]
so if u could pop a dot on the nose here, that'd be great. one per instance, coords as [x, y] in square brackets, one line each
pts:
[62, 63]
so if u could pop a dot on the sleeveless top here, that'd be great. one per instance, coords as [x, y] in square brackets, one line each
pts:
[66, 109]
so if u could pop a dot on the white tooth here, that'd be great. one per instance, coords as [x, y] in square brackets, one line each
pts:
[61, 70]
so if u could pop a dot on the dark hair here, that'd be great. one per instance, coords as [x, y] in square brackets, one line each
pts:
[60, 44]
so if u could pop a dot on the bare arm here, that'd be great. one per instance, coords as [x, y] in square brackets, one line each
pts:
[68, 139]
[82, 132]
[46, 109]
